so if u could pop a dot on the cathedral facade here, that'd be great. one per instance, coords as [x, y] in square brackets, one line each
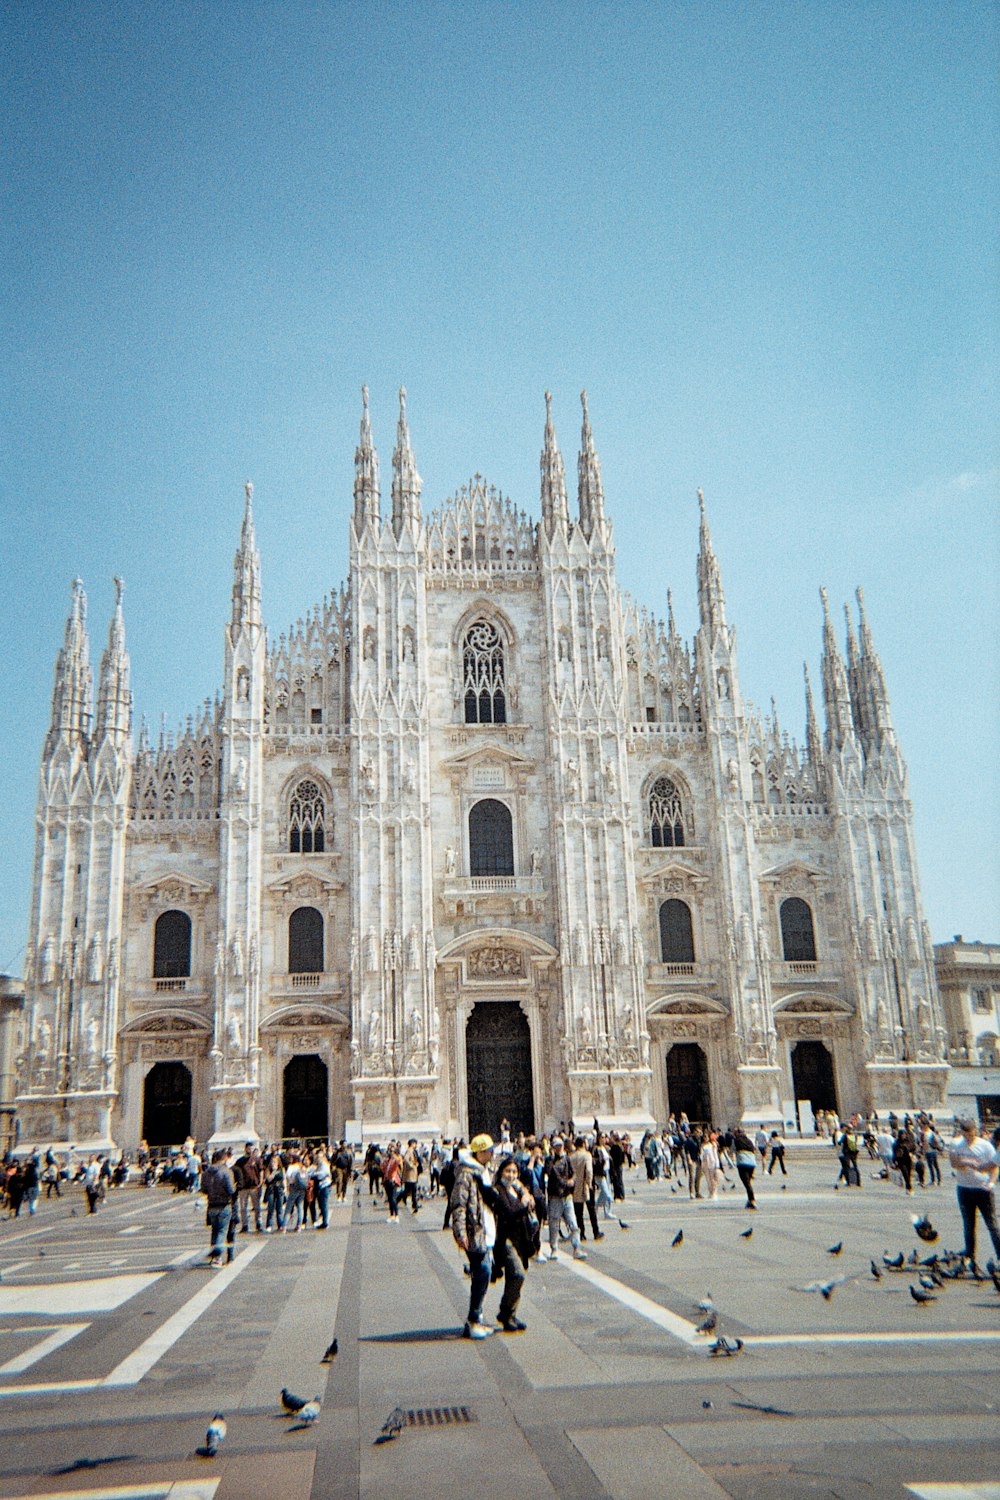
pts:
[477, 838]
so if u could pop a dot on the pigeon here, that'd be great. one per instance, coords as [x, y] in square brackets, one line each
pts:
[746, 1233]
[392, 1426]
[308, 1413]
[708, 1324]
[930, 1260]
[706, 1304]
[913, 1258]
[920, 1296]
[894, 1262]
[216, 1432]
[826, 1288]
[293, 1404]
[331, 1354]
[925, 1229]
[836, 1249]
[928, 1283]
[678, 1239]
[876, 1272]
[624, 1225]
[708, 1405]
[727, 1347]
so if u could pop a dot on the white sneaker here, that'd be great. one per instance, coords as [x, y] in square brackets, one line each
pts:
[477, 1331]
[579, 1255]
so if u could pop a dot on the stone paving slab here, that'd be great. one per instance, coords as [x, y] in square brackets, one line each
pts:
[638, 1463]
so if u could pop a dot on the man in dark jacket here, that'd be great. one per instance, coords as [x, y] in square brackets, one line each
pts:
[219, 1187]
[246, 1174]
[559, 1177]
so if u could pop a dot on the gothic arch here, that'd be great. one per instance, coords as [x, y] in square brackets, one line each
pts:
[674, 1004]
[293, 836]
[665, 772]
[171, 1021]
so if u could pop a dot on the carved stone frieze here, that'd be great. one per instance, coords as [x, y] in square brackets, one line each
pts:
[495, 961]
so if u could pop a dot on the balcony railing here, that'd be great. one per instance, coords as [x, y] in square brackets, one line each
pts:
[305, 981]
[170, 986]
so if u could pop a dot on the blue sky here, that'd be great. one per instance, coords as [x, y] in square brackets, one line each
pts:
[763, 237]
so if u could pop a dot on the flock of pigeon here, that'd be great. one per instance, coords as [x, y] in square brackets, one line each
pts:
[933, 1272]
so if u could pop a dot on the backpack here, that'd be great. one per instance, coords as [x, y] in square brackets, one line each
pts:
[850, 1142]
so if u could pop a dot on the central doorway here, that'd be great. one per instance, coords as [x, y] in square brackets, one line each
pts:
[304, 1106]
[812, 1075]
[498, 1068]
[166, 1104]
[687, 1083]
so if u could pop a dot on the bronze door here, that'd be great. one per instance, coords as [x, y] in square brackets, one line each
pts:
[498, 1068]
[305, 1102]
[687, 1082]
[166, 1104]
[812, 1075]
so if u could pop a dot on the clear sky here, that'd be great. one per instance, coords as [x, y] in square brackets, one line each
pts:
[764, 237]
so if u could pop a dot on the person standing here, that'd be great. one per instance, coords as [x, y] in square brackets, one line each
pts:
[746, 1162]
[933, 1145]
[274, 1193]
[710, 1164]
[583, 1187]
[322, 1179]
[411, 1171]
[32, 1181]
[92, 1185]
[219, 1186]
[975, 1163]
[392, 1177]
[246, 1173]
[616, 1150]
[559, 1209]
[474, 1227]
[691, 1145]
[296, 1183]
[902, 1155]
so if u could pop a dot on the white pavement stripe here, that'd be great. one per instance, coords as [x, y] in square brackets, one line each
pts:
[137, 1364]
[18, 1265]
[955, 1491]
[670, 1322]
[103, 1295]
[55, 1340]
[181, 1489]
[72, 1265]
[132, 1229]
[914, 1337]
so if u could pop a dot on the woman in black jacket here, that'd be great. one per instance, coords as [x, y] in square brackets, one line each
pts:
[518, 1238]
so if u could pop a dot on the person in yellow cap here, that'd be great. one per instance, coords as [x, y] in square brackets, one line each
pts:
[474, 1226]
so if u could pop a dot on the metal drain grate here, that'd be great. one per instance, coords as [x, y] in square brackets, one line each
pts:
[439, 1416]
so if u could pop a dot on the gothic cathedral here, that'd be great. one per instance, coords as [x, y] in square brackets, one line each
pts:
[477, 838]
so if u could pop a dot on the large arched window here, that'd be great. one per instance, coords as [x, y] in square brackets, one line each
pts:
[483, 683]
[798, 940]
[305, 941]
[491, 839]
[676, 933]
[666, 815]
[307, 820]
[172, 946]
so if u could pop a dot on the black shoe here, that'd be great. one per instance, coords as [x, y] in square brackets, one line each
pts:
[512, 1325]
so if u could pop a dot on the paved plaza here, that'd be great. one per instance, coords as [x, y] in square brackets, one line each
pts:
[117, 1346]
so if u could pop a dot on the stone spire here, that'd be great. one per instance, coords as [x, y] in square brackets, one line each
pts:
[71, 692]
[405, 479]
[836, 692]
[246, 571]
[590, 486]
[555, 507]
[814, 745]
[874, 694]
[113, 720]
[858, 706]
[366, 490]
[711, 600]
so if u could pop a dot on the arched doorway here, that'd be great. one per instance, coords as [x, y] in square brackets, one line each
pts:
[687, 1082]
[305, 1101]
[166, 1104]
[498, 1068]
[812, 1075]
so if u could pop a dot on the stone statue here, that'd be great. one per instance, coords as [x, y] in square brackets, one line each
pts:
[240, 777]
[233, 1034]
[536, 860]
[43, 1032]
[572, 778]
[94, 960]
[733, 776]
[375, 1030]
[236, 957]
[47, 963]
[610, 778]
[449, 861]
[414, 1028]
[90, 1038]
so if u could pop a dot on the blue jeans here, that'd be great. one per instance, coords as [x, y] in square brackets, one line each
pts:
[295, 1213]
[218, 1219]
[481, 1268]
[323, 1203]
[275, 1200]
[561, 1212]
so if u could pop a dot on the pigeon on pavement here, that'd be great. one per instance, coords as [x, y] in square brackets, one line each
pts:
[925, 1229]
[708, 1325]
[216, 1433]
[331, 1354]
[392, 1426]
[836, 1249]
[894, 1262]
[678, 1239]
[293, 1404]
[746, 1233]
[876, 1272]
[727, 1347]
[307, 1414]
[920, 1296]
